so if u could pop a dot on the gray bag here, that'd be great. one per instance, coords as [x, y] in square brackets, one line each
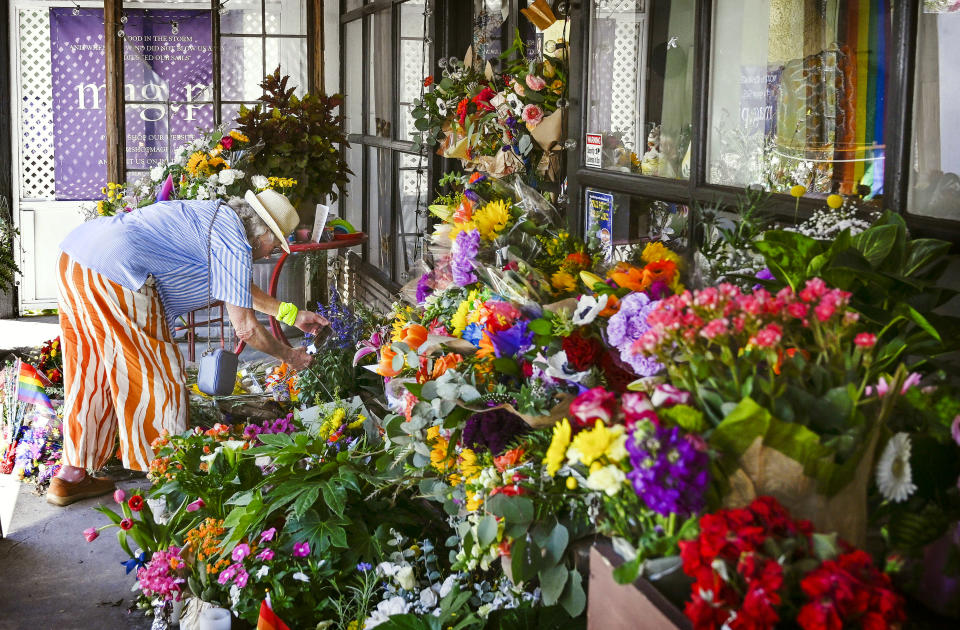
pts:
[217, 370]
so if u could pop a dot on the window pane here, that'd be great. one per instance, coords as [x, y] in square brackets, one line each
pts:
[379, 107]
[286, 17]
[621, 225]
[379, 200]
[640, 105]
[351, 206]
[242, 16]
[798, 93]
[412, 66]
[935, 163]
[290, 53]
[410, 222]
[353, 76]
[354, 4]
[230, 111]
[241, 69]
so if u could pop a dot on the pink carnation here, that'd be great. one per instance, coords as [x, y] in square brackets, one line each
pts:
[768, 336]
[532, 114]
[865, 340]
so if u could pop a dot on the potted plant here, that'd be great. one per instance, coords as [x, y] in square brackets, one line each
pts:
[298, 139]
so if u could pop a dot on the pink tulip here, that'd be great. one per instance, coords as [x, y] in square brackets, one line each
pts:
[196, 505]
[119, 495]
[91, 534]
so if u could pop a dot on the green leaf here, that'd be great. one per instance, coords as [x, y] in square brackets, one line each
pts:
[825, 546]
[552, 583]
[876, 243]
[921, 252]
[487, 530]
[397, 362]
[574, 600]
[305, 501]
[506, 365]
[627, 572]
[335, 498]
[556, 543]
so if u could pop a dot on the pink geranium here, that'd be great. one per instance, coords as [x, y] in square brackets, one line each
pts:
[532, 114]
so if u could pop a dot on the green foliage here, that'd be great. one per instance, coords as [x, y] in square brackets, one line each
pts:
[297, 138]
[896, 282]
[8, 249]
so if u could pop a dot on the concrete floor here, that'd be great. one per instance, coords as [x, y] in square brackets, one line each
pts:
[51, 578]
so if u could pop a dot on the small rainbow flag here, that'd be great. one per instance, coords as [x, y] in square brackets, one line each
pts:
[30, 387]
[268, 619]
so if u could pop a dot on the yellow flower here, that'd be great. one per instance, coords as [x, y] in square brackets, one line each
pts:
[492, 218]
[589, 446]
[557, 87]
[474, 501]
[655, 251]
[216, 161]
[558, 447]
[239, 137]
[834, 201]
[468, 465]
[798, 191]
[337, 418]
[197, 164]
[101, 207]
[356, 424]
[572, 483]
[459, 319]
[548, 70]
[563, 281]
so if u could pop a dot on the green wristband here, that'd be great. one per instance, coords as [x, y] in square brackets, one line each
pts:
[287, 313]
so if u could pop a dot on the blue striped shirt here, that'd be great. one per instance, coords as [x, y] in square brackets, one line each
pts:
[168, 240]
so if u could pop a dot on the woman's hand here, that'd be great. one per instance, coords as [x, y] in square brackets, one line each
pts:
[298, 358]
[310, 322]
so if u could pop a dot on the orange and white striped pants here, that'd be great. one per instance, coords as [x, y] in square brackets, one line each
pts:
[122, 372]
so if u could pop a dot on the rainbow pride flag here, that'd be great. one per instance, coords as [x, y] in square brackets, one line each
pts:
[30, 387]
[268, 619]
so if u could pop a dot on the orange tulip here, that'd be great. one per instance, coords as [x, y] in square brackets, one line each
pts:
[414, 335]
[385, 368]
[445, 363]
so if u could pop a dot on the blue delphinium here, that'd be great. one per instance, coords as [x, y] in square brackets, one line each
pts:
[346, 326]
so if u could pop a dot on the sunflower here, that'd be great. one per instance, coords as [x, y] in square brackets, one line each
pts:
[197, 164]
[239, 137]
[492, 219]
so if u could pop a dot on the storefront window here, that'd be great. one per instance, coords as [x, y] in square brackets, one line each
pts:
[619, 224]
[935, 155]
[640, 104]
[798, 93]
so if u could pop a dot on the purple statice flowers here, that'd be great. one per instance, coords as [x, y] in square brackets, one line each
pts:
[280, 425]
[493, 430]
[626, 326]
[464, 253]
[669, 472]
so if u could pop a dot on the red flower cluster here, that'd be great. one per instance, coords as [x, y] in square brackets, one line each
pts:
[849, 591]
[462, 111]
[482, 100]
[582, 352]
[739, 560]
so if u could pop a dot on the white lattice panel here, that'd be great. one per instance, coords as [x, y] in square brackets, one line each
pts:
[623, 115]
[36, 105]
[411, 72]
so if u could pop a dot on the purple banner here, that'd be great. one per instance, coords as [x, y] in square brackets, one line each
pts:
[168, 68]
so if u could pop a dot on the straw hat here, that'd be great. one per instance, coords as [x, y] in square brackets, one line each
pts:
[276, 211]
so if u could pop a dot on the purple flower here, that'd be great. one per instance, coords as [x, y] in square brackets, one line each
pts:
[240, 552]
[463, 255]
[301, 550]
[266, 555]
[955, 429]
[669, 472]
[227, 574]
[241, 579]
[493, 430]
[363, 567]
[626, 326]
[424, 288]
[763, 274]
[513, 340]
[268, 534]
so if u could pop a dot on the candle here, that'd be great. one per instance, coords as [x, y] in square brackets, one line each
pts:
[215, 619]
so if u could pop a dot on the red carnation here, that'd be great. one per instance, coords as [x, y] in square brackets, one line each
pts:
[582, 352]
[135, 503]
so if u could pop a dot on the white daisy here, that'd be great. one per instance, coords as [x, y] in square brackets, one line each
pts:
[894, 477]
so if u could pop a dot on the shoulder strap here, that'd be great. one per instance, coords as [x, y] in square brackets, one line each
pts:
[210, 281]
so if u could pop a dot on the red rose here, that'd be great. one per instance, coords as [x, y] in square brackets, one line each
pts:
[618, 377]
[136, 503]
[126, 524]
[592, 405]
[582, 352]
[226, 142]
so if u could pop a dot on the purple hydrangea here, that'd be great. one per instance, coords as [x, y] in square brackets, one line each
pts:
[669, 472]
[626, 326]
[493, 430]
[464, 252]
